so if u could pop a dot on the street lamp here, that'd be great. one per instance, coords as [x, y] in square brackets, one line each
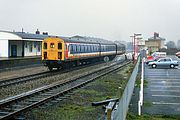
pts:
[132, 43]
[137, 42]
[134, 38]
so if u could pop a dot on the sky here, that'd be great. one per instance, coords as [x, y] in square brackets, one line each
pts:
[108, 19]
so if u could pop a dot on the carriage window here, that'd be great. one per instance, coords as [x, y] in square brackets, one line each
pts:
[83, 48]
[71, 48]
[45, 45]
[52, 45]
[79, 47]
[59, 45]
[74, 48]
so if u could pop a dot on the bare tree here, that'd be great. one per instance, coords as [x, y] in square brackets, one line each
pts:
[178, 44]
[171, 44]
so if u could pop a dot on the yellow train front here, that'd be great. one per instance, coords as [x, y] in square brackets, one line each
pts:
[53, 52]
[67, 52]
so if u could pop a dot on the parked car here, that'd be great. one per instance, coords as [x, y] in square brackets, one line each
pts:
[168, 62]
[178, 54]
[155, 56]
[151, 60]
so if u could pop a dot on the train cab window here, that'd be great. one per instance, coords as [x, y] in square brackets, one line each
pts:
[52, 45]
[45, 45]
[59, 46]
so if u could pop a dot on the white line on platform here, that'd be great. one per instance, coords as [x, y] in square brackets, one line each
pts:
[165, 90]
[167, 73]
[165, 82]
[165, 79]
[160, 86]
[163, 103]
[175, 96]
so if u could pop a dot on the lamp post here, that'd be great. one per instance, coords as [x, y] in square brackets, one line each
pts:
[134, 38]
[138, 39]
[132, 43]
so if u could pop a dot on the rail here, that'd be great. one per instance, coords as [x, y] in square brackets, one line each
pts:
[19, 80]
[122, 109]
[12, 107]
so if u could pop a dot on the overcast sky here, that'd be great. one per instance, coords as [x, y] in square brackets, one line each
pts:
[108, 19]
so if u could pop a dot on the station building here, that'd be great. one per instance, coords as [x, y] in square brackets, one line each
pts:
[20, 44]
[155, 43]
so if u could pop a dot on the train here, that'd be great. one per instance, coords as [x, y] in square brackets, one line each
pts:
[63, 52]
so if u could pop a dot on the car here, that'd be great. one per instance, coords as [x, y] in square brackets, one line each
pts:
[178, 54]
[151, 60]
[168, 62]
[155, 56]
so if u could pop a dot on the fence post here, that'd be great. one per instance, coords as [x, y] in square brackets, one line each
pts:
[140, 102]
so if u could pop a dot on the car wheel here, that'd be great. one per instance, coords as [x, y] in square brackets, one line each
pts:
[154, 65]
[172, 66]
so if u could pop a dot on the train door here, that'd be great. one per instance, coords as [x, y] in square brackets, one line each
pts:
[13, 50]
[52, 51]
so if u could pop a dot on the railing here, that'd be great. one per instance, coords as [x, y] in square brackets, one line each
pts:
[122, 109]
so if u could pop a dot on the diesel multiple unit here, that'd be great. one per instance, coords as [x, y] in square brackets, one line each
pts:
[60, 52]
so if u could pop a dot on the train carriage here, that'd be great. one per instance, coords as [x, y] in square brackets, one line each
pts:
[60, 52]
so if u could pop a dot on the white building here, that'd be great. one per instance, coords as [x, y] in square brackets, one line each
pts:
[20, 44]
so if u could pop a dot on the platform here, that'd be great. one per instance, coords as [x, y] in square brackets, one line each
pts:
[10, 63]
[18, 58]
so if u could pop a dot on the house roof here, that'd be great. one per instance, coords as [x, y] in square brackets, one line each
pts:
[156, 38]
[6, 35]
[24, 35]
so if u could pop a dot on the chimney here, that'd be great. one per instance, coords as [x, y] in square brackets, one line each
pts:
[156, 35]
[37, 32]
[45, 33]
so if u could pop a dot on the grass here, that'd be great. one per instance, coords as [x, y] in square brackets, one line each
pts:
[147, 104]
[78, 106]
[138, 81]
[131, 116]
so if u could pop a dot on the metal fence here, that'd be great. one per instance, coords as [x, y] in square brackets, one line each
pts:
[122, 109]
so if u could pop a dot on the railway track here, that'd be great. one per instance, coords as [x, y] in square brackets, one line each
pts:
[19, 80]
[11, 107]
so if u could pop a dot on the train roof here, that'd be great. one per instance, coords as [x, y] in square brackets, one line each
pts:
[86, 40]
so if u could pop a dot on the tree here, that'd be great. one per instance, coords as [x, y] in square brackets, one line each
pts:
[171, 44]
[178, 44]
